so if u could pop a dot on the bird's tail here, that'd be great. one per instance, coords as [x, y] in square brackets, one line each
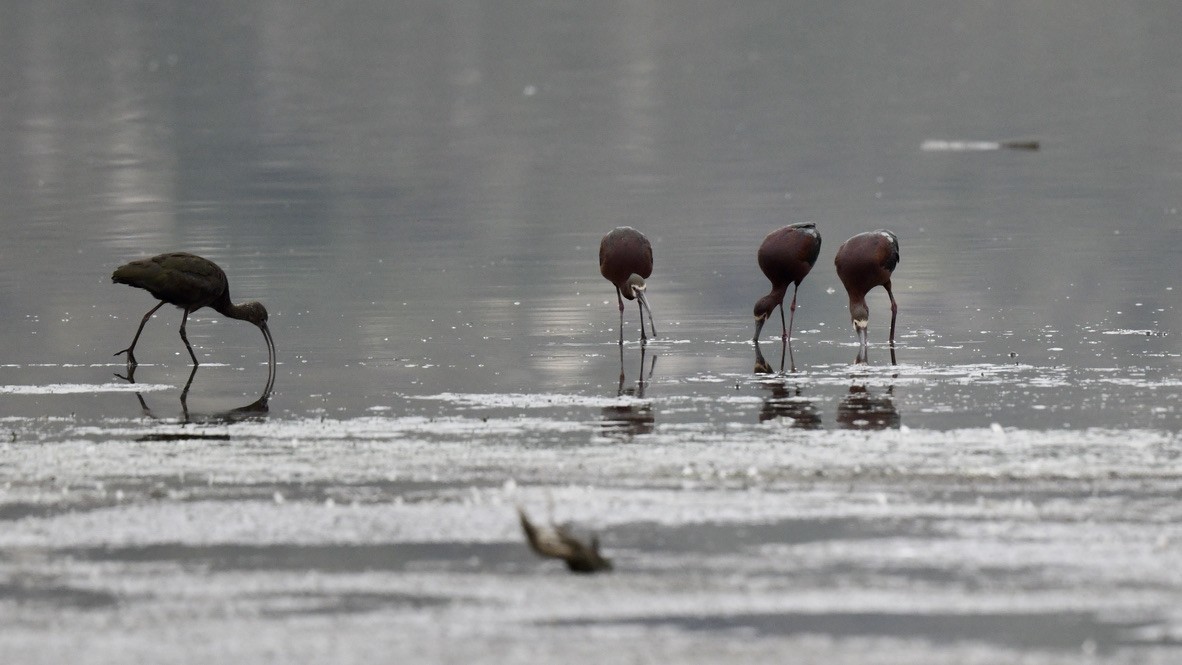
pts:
[133, 273]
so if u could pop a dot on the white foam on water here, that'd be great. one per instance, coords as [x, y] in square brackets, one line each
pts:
[82, 388]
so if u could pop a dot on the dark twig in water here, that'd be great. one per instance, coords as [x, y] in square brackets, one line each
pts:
[556, 541]
[939, 145]
[183, 436]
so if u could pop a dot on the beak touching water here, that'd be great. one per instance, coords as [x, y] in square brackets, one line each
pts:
[644, 303]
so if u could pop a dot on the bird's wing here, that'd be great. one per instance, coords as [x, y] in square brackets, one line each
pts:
[892, 258]
[182, 279]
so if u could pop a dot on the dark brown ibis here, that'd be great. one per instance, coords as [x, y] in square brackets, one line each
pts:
[556, 541]
[190, 282]
[626, 260]
[864, 262]
[786, 256]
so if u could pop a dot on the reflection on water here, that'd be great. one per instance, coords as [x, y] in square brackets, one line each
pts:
[252, 411]
[417, 189]
[785, 401]
[863, 357]
[863, 409]
[762, 366]
[457, 197]
[628, 420]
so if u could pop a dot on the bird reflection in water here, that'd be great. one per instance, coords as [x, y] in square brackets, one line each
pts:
[864, 354]
[762, 366]
[785, 401]
[628, 420]
[255, 410]
[863, 409]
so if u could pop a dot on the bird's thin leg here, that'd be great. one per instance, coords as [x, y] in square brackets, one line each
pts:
[894, 311]
[640, 376]
[791, 313]
[144, 406]
[130, 378]
[185, 393]
[620, 297]
[184, 320]
[130, 351]
[620, 390]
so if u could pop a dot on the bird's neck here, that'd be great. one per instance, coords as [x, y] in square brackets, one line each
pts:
[778, 292]
[857, 298]
[226, 308]
[859, 311]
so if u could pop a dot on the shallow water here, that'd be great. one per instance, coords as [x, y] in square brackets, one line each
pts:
[417, 193]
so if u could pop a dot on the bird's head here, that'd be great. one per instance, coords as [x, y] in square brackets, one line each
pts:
[253, 312]
[763, 309]
[860, 315]
[634, 287]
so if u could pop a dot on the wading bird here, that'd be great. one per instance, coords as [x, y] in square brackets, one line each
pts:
[626, 260]
[864, 262]
[786, 256]
[189, 282]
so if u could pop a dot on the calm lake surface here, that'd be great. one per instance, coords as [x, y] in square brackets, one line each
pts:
[417, 190]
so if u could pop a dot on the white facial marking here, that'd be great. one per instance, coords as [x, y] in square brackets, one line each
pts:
[861, 324]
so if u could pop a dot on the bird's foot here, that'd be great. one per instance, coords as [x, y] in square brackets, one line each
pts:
[131, 362]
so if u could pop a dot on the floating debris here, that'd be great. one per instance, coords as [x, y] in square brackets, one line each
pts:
[556, 541]
[936, 145]
[182, 436]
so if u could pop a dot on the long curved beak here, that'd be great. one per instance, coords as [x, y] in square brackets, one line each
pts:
[270, 343]
[761, 364]
[271, 359]
[759, 321]
[644, 303]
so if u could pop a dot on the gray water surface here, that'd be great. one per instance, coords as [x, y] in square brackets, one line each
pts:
[417, 191]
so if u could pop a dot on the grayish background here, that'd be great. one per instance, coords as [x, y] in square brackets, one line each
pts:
[416, 190]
